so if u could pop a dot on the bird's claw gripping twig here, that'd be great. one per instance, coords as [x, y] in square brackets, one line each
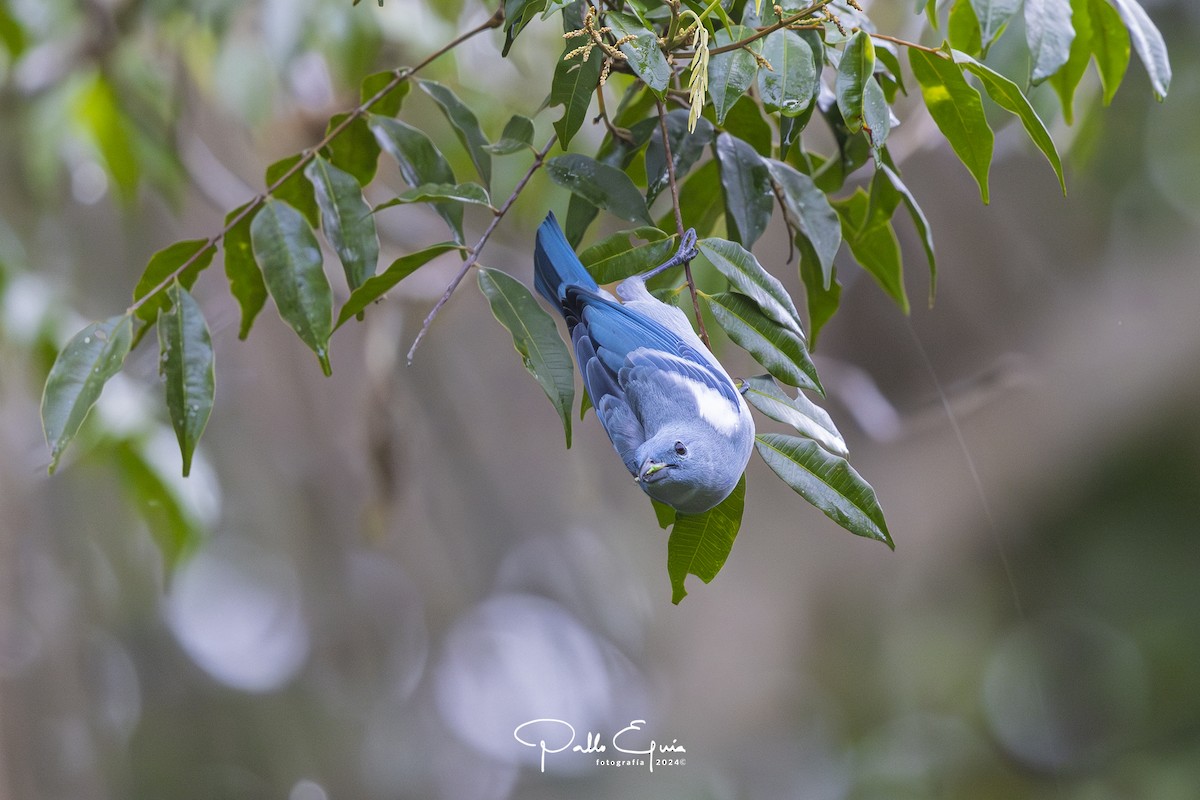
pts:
[686, 252]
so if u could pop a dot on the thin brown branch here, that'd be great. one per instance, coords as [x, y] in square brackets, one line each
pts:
[687, 265]
[399, 75]
[764, 31]
[473, 254]
[906, 43]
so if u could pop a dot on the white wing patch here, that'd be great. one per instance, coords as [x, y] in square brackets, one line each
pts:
[715, 409]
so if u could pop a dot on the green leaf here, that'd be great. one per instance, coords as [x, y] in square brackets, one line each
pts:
[518, 14]
[389, 104]
[78, 375]
[663, 513]
[746, 182]
[1049, 34]
[465, 124]
[827, 481]
[535, 336]
[808, 211]
[12, 34]
[746, 122]
[809, 419]
[1068, 76]
[517, 136]
[287, 250]
[747, 276]
[700, 543]
[1148, 42]
[614, 152]
[1109, 43]
[377, 286]
[874, 245]
[701, 200]
[618, 257]
[644, 55]
[854, 71]
[295, 191]
[420, 162]
[1006, 95]
[245, 278]
[600, 185]
[877, 117]
[471, 193]
[791, 86]
[354, 149]
[730, 74]
[894, 183]
[151, 288]
[957, 109]
[98, 112]
[884, 52]
[822, 300]
[993, 18]
[173, 526]
[686, 150]
[346, 220]
[186, 364]
[962, 28]
[779, 349]
[572, 88]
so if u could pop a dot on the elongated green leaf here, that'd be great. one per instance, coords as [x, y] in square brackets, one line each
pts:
[295, 191]
[700, 543]
[287, 250]
[186, 363]
[599, 184]
[614, 152]
[572, 88]
[1148, 42]
[805, 416]
[1006, 95]
[663, 513]
[957, 109]
[854, 71]
[822, 300]
[99, 113]
[1108, 42]
[874, 245]
[516, 136]
[390, 102]
[471, 193]
[151, 288]
[518, 14]
[779, 349]
[993, 18]
[346, 220]
[535, 336]
[420, 162]
[745, 121]
[747, 276]
[618, 257]
[466, 126]
[962, 29]
[886, 55]
[643, 53]
[174, 527]
[894, 183]
[1049, 34]
[686, 150]
[245, 278]
[354, 149]
[746, 182]
[877, 117]
[1068, 76]
[78, 375]
[791, 86]
[827, 481]
[377, 286]
[808, 211]
[701, 200]
[730, 74]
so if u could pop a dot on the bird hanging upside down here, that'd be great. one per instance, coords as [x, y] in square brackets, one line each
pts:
[671, 410]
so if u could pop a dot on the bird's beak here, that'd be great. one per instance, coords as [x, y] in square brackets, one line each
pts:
[649, 469]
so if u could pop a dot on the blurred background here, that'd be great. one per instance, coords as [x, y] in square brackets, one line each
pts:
[397, 565]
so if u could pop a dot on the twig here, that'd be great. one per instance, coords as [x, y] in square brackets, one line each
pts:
[398, 76]
[761, 32]
[906, 43]
[687, 265]
[474, 252]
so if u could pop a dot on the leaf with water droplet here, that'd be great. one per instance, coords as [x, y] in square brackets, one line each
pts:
[186, 352]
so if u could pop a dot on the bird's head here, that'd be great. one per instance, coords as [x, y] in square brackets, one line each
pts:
[690, 469]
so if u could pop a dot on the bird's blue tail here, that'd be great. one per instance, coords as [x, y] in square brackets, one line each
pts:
[555, 265]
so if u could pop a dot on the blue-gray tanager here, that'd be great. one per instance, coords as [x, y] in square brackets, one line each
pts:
[671, 410]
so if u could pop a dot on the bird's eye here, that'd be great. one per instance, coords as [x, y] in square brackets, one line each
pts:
[680, 449]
